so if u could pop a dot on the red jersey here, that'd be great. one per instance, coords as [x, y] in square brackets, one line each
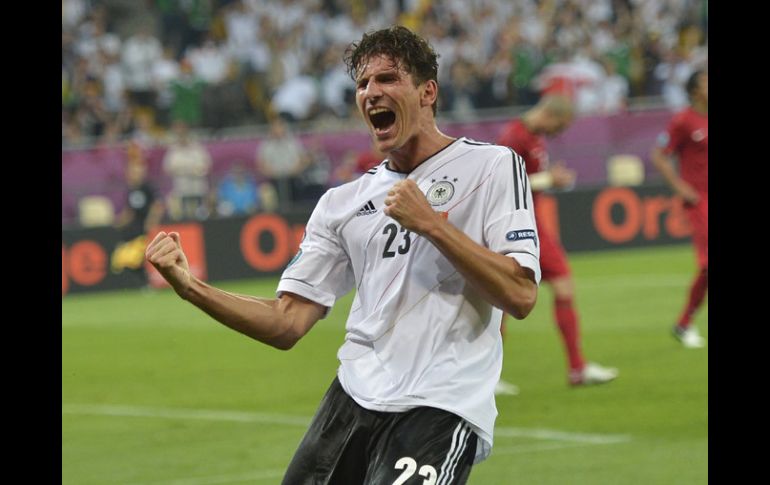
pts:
[688, 138]
[530, 146]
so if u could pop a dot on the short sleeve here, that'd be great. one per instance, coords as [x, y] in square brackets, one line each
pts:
[509, 222]
[671, 139]
[321, 270]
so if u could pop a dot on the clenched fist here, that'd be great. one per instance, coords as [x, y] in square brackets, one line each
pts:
[407, 204]
[166, 255]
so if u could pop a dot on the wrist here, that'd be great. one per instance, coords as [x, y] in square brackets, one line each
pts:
[437, 227]
[184, 287]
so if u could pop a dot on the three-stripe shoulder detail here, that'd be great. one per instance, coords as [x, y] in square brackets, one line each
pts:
[469, 141]
[520, 180]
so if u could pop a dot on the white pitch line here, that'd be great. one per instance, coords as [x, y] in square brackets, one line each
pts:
[176, 413]
[554, 435]
[533, 448]
[289, 420]
[219, 479]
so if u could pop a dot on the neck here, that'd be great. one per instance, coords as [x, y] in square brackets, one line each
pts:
[700, 107]
[530, 120]
[419, 148]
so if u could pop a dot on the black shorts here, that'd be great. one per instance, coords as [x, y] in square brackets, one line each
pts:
[349, 445]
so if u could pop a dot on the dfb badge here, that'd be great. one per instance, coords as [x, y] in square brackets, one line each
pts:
[440, 192]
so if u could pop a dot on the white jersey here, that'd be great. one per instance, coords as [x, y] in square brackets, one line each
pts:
[418, 333]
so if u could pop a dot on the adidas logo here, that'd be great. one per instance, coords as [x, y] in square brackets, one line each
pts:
[366, 210]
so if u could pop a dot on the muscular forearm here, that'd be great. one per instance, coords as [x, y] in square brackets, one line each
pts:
[276, 322]
[280, 323]
[498, 278]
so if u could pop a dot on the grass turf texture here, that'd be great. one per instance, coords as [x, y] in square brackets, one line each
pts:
[155, 392]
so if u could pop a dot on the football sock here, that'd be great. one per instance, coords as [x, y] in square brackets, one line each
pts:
[567, 320]
[697, 294]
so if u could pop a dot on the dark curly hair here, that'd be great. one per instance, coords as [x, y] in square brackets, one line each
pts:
[693, 82]
[413, 53]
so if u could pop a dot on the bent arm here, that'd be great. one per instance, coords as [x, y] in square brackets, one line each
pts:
[277, 322]
[500, 279]
[663, 163]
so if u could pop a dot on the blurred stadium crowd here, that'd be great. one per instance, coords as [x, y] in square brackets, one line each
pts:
[130, 73]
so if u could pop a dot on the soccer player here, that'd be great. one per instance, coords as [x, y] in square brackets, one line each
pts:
[687, 138]
[437, 240]
[526, 136]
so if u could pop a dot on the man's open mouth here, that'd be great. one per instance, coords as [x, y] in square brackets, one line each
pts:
[382, 119]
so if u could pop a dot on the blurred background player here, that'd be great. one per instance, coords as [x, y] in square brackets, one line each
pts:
[526, 136]
[143, 210]
[687, 137]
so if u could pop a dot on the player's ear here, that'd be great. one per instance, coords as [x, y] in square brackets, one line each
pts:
[428, 93]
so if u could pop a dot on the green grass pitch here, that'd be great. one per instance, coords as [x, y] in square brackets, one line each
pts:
[154, 392]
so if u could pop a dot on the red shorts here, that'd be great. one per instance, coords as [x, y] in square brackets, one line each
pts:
[553, 258]
[699, 220]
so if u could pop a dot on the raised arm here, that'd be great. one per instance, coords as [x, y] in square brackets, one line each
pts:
[277, 322]
[501, 280]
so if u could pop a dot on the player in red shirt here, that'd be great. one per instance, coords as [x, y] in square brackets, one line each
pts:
[526, 136]
[687, 138]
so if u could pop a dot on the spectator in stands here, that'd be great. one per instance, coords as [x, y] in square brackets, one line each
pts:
[613, 89]
[278, 45]
[164, 72]
[337, 89]
[139, 54]
[71, 133]
[237, 193]
[282, 158]
[210, 61]
[460, 96]
[314, 178]
[297, 99]
[188, 163]
[91, 112]
[187, 93]
[113, 84]
[225, 103]
[242, 29]
[95, 38]
[144, 129]
[72, 13]
[173, 26]
[673, 71]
